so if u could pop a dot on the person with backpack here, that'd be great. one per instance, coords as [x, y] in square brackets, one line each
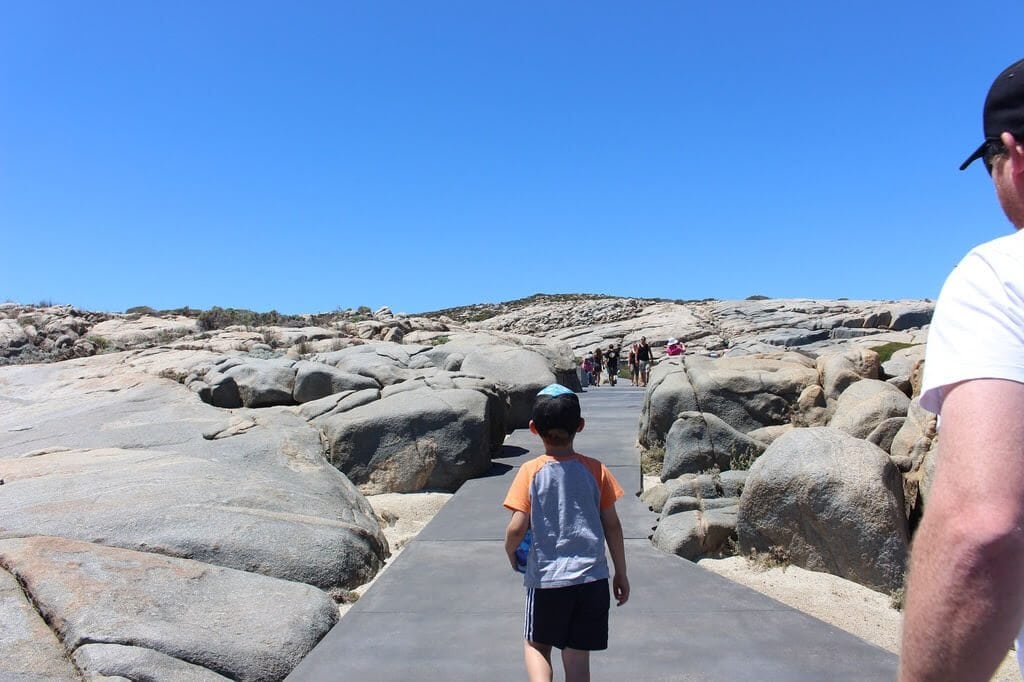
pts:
[611, 360]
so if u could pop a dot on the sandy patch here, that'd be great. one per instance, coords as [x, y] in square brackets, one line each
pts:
[402, 516]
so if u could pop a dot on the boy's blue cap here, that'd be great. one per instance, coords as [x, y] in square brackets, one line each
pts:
[554, 389]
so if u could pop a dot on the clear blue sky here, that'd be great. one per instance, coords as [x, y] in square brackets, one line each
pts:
[431, 154]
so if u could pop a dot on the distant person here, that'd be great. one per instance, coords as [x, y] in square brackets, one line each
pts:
[568, 501]
[673, 348]
[587, 368]
[644, 358]
[611, 361]
[965, 593]
[634, 364]
[598, 365]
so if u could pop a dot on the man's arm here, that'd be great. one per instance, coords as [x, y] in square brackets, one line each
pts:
[617, 548]
[514, 534]
[965, 597]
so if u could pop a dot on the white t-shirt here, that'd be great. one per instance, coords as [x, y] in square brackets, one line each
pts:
[977, 330]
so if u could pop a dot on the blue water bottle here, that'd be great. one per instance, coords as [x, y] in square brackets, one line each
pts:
[523, 551]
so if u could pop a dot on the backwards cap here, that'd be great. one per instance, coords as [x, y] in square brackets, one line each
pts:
[556, 407]
[1004, 109]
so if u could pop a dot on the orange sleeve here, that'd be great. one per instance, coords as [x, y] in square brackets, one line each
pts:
[610, 488]
[518, 497]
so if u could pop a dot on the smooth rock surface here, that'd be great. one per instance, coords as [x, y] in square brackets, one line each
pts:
[201, 614]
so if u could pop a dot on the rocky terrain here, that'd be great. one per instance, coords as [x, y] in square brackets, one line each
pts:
[159, 467]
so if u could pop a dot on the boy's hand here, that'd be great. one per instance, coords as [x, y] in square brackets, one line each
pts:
[514, 535]
[620, 587]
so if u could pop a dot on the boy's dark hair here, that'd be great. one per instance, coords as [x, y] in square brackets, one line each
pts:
[556, 414]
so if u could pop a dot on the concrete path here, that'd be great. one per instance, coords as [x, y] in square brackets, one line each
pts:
[450, 608]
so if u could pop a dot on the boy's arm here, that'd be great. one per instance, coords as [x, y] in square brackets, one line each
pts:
[617, 548]
[514, 534]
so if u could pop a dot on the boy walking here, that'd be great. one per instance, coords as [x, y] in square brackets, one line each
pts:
[568, 500]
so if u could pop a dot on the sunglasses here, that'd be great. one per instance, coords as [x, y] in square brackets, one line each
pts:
[993, 148]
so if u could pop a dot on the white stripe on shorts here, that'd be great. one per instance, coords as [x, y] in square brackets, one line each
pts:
[528, 628]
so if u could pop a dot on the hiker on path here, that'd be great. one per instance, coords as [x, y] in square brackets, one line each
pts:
[587, 367]
[568, 501]
[598, 365]
[644, 358]
[965, 594]
[611, 361]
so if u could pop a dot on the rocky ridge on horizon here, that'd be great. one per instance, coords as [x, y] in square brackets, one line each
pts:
[583, 321]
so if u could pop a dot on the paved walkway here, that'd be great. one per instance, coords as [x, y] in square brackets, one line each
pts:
[450, 608]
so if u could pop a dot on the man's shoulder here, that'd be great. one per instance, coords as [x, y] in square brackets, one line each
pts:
[1010, 246]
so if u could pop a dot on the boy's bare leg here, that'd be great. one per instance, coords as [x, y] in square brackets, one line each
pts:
[538, 661]
[577, 665]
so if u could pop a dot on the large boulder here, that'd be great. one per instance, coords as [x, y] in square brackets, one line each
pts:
[251, 382]
[832, 502]
[315, 380]
[417, 439]
[386, 363]
[811, 407]
[697, 534]
[699, 441]
[752, 391]
[236, 624]
[867, 403]
[12, 334]
[747, 392]
[670, 392]
[839, 370]
[520, 372]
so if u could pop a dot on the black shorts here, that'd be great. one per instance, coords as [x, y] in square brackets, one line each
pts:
[574, 617]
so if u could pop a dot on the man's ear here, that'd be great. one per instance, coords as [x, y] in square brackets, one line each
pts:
[581, 425]
[1015, 152]
[533, 428]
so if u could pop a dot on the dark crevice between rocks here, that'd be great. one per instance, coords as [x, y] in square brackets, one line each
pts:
[39, 611]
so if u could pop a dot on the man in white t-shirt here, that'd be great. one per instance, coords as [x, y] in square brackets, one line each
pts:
[965, 596]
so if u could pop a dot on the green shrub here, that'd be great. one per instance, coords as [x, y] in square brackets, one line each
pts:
[741, 459]
[98, 341]
[896, 598]
[775, 556]
[886, 350]
[140, 310]
[218, 318]
[652, 459]
[758, 297]
[271, 337]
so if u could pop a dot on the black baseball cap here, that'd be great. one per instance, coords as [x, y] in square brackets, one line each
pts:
[1004, 109]
[556, 408]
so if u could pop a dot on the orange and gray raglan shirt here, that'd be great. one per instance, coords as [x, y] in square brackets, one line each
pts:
[564, 497]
